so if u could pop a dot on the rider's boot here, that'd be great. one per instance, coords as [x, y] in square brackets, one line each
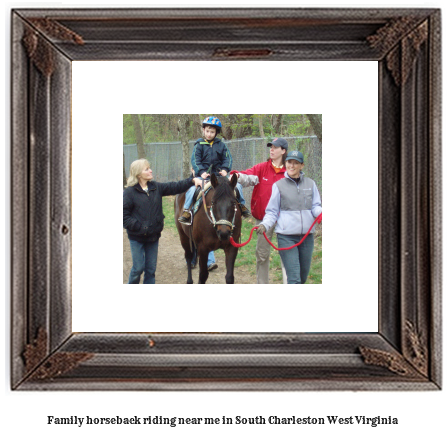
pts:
[185, 217]
[245, 211]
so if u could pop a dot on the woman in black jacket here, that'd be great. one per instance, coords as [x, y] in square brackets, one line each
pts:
[143, 217]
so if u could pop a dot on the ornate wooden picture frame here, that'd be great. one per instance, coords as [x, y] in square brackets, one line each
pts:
[405, 353]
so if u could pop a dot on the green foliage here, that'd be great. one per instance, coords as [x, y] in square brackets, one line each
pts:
[292, 125]
[296, 125]
[128, 131]
[164, 127]
[155, 127]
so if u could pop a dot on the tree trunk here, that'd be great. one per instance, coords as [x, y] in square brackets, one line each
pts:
[197, 126]
[261, 126]
[276, 123]
[266, 150]
[138, 135]
[183, 123]
[316, 123]
[228, 131]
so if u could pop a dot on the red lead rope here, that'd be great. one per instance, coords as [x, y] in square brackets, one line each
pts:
[239, 245]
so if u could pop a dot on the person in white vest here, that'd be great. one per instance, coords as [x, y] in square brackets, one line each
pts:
[293, 206]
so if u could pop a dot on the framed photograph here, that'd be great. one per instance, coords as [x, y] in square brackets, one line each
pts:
[49, 351]
[173, 145]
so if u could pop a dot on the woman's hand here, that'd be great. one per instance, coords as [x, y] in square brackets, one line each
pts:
[192, 171]
[223, 172]
[205, 175]
[261, 229]
[197, 182]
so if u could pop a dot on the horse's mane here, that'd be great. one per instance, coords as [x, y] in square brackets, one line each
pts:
[223, 189]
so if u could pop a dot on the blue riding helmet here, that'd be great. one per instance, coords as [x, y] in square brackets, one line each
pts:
[212, 121]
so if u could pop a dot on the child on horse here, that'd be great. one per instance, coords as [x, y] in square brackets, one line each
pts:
[211, 155]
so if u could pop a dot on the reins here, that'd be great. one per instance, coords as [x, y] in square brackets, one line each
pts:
[204, 206]
[239, 245]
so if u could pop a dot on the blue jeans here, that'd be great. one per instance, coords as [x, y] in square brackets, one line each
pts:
[296, 260]
[144, 259]
[241, 193]
[210, 261]
[191, 190]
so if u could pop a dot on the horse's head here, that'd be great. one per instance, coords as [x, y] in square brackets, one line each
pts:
[223, 205]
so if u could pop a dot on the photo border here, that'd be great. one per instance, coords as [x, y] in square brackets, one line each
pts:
[405, 353]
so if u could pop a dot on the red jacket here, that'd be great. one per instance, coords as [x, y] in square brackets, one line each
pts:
[262, 191]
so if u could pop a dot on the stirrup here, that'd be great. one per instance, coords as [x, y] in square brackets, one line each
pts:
[184, 219]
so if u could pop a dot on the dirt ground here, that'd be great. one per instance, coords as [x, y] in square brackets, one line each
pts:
[171, 264]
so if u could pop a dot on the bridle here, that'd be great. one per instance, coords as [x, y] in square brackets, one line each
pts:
[212, 219]
[223, 221]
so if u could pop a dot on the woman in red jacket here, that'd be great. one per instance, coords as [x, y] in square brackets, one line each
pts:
[262, 177]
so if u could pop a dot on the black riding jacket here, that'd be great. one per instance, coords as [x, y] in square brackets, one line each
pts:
[218, 156]
[143, 212]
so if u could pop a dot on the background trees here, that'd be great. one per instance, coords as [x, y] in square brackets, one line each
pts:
[166, 127]
[316, 123]
[183, 124]
[138, 135]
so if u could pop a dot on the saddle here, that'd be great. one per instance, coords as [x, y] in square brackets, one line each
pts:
[197, 198]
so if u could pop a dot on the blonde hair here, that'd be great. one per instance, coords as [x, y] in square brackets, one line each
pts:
[136, 168]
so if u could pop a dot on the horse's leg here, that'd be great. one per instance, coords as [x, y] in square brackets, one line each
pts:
[188, 257]
[184, 239]
[203, 264]
[230, 258]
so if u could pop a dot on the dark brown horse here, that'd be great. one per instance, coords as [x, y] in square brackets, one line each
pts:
[213, 228]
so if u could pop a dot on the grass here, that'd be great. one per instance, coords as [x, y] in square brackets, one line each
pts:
[168, 211]
[247, 254]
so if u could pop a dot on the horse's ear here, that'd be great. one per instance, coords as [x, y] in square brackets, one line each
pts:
[214, 181]
[233, 180]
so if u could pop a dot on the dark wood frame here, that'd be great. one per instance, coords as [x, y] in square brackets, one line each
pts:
[405, 354]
